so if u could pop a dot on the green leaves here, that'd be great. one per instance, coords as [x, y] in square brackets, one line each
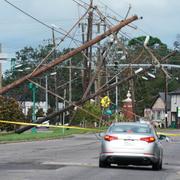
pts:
[82, 116]
[11, 111]
[154, 42]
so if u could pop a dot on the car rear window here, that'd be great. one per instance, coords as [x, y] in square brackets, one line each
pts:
[130, 129]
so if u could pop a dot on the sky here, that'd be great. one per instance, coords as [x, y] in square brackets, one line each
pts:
[160, 19]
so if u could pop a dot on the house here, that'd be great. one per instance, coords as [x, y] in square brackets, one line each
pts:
[158, 108]
[173, 103]
[26, 105]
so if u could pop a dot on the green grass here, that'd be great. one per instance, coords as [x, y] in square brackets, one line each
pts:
[31, 136]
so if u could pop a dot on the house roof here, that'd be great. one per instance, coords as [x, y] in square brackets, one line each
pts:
[162, 96]
[176, 92]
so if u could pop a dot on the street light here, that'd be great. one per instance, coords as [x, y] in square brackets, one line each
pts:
[28, 68]
[145, 78]
[151, 75]
[146, 41]
[53, 73]
[138, 70]
[18, 65]
[20, 70]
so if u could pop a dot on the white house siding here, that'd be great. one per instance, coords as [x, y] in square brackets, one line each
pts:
[173, 116]
[148, 114]
[175, 102]
[26, 105]
[159, 104]
[158, 110]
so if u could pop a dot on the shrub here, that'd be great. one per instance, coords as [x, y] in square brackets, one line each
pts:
[81, 116]
[10, 111]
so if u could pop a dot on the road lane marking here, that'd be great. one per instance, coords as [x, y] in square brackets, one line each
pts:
[169, 134]
[70, 164]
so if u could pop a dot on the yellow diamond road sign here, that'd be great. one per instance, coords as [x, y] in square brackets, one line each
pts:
[105, 101]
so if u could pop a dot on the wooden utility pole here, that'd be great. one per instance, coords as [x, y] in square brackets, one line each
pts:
[97, 71]
[70, 81]
[55, 76]
[84, 57]
[131, 84]
[166, 100]
[89, 97]
[68, 55]
[54, 43]
[88, 52]
[97, 80]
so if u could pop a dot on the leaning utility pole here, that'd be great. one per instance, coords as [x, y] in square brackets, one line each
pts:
[88, 52]
[91, 96]
[101, 26]
[55, 79]
[68, 55]
[97, 71]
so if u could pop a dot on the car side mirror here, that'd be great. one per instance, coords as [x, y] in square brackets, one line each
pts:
[100, 135]
[163, 137]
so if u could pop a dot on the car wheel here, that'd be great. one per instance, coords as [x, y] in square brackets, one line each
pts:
[157, 166]
[103, 164]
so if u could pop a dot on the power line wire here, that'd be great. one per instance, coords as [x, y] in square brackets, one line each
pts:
[121, 32]
[140, 29]
[67, 33]
[39, 21]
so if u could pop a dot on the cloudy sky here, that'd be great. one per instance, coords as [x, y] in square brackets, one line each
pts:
[160, 19]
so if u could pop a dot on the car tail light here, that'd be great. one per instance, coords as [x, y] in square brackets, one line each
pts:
[110, 138]
[148, 139]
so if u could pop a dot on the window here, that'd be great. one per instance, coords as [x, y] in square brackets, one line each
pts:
[129, 129]
[158, 115]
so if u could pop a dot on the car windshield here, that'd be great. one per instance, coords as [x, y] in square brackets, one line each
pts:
[127, 128]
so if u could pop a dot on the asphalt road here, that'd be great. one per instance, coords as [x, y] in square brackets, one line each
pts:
[76, 158]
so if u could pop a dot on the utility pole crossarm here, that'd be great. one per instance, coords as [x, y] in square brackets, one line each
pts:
[100, 91]
[64, 57]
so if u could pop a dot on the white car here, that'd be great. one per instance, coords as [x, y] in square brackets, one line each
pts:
[131, 144]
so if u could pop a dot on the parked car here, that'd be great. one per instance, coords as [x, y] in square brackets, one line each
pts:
[131, 144]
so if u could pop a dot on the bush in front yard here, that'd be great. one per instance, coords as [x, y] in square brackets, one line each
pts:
[10, 111]
[81, 116]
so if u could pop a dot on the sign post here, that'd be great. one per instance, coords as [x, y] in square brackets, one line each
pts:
[177, 117]
[33, 88]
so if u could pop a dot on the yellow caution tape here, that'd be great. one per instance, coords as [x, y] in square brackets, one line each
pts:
[70, 127]
[168, 134]
[45, 125]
